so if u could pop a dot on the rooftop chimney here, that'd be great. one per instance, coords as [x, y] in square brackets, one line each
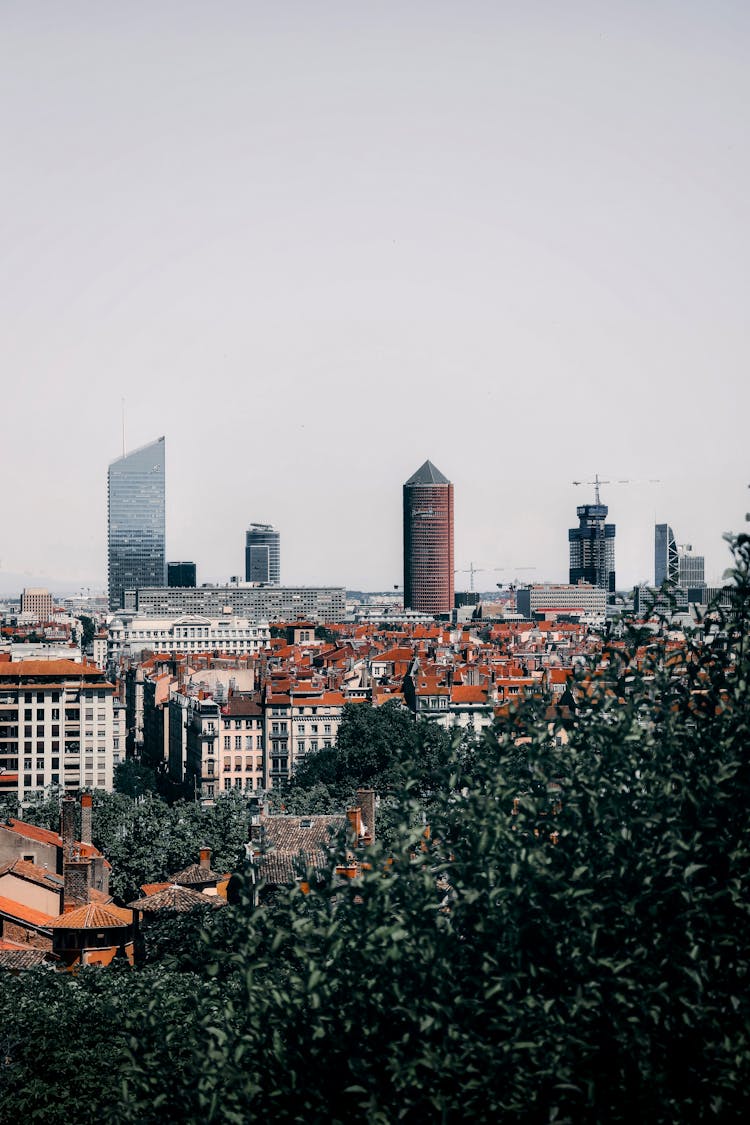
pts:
[205, 858]
[75, 883]
[366, 798]
[87, 802]
[68, 826]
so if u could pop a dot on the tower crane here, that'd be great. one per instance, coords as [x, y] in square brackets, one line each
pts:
[471, 570]
[601, 572]
[597, 481]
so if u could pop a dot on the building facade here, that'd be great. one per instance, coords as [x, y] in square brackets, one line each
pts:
[58, 727]
[263, 554]
[188, 634]
[428, 542]
[582, 598]
[180, 574]
[592, 548]
[666, 567]
[36, 604]
[135, 521]
[692, 568]
[258, 603]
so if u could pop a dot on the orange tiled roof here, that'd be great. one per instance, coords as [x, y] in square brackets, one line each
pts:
[468, 693]
[93, 916]
[68, 669]
[153, 888]
[36, 918]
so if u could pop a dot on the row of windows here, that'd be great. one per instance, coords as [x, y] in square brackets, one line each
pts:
[251, 742]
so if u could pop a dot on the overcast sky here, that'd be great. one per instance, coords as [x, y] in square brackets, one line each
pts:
[317, 243]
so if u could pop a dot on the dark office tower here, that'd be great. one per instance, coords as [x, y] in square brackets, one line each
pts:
[135, 521]
[428, 542]
[181, 574]
[592, 547]
[666, 565]
[262, 554]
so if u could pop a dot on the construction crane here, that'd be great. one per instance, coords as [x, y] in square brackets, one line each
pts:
[471, 570]
[625, 480]
[601, 571]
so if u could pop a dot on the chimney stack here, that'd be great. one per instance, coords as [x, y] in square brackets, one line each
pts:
[75, 883]
[87, 803]
[366, 798]
[354, 817]
[205, 858]
[68, 826]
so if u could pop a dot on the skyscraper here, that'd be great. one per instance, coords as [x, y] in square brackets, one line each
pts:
[592, 546]
[428, 541]
[135, 521]
[666, 567]
[263, 554]
[692, 569]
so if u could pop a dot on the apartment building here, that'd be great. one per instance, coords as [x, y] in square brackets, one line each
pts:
[188, 634]
[581, 597]
[297, 721]
[258, 603]
[241, 741]
[58, 727]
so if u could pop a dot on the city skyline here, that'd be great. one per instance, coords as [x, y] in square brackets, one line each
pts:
[509, 255]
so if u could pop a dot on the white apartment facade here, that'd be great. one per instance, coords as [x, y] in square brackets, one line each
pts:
[59, 727]
[187, 634]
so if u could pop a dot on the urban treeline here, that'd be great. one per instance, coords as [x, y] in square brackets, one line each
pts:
[554, 929]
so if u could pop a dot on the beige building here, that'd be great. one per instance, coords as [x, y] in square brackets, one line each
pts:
[36, 604]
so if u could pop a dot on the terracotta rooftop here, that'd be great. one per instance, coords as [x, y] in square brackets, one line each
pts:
[25, 958]
[16, 910]
[66, 669]
[195, 874]
[175, 898]
[93, 916]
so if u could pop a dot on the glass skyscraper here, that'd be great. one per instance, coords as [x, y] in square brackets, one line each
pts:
[135, 521]
[263, 554]
[666, 568]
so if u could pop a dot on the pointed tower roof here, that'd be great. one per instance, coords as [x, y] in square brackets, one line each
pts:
[428, 474]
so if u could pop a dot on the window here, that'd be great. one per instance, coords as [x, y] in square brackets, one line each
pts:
[227, 783]
[238, 742]
[29, 859]
[300, 745]
[227, 741]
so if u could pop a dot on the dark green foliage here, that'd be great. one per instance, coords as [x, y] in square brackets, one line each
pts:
[88, 631]
[377, 748]
[569, 945]
[148, 840]
[133, 779]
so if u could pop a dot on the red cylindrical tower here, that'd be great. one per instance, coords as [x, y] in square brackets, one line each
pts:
[428, 541]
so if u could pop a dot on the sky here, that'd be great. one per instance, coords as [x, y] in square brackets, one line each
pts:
[315, 244]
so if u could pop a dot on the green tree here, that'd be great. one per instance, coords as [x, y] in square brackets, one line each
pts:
[88, 631]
